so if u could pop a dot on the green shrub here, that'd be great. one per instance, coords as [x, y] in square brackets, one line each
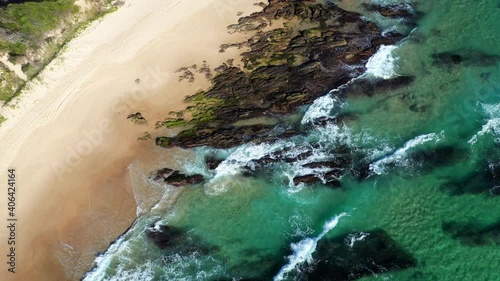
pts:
[34, 19]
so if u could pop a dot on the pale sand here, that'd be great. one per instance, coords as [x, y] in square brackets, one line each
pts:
[71, 144]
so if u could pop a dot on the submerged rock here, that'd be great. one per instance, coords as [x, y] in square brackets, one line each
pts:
[331, 178]
[495, 191]
[355, 255]
[473, 234]
[484, 181]
[370, 87]
[212, 162]
[339, 119]
[466, 57]
[392, 11]
[165, 236]
[438, 157]
[145, 136]
[174, 240]
[175, 178]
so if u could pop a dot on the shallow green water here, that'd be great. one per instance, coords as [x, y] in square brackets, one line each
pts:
[249, 223]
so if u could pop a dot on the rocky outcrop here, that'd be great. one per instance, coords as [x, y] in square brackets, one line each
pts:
[374, 86]
[220, 137]
[319, 48]
[137, 118]
[164, 236]
[331, 178]
[356, 255]
[212, 162]
[174, 240]
[392, 11]
[145, 136]
[175, 178]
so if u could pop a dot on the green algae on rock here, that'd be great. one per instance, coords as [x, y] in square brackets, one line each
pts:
[319, 48]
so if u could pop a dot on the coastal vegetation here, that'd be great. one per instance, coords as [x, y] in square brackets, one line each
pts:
[33, 33]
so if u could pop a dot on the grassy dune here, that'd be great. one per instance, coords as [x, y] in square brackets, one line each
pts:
[33, 33]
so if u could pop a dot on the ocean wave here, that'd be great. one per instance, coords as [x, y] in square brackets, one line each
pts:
[399, 156]
[382, 63]
[323, 106]
[103, 261]
[390, 2]
[303, 250]
[352, 238]
[492, 126]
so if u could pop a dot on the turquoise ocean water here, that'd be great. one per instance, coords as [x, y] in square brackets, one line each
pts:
[433, 149]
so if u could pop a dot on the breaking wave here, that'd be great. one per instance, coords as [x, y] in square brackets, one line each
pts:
[382, 63]
[399, 156]
[303, 250]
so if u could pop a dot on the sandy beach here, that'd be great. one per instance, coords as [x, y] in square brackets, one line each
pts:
[69, 139]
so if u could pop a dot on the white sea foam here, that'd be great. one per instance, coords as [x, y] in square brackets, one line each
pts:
[492, 126]
[143, 272]
[303, 250]
[390, 2]
[243, 156]
[300, 223]
[104, 260]
[399, 156]
[327, 105]
[322, 106]
[382, 63]
[351, 239]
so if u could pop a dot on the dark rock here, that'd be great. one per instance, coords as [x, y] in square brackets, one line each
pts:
[339, 119]
[306, 179]
[165, 236]
[374, 86]
[438, 156]
[474, 183]
[173, 240]
[495, 191]
[175, 178]
[391, 11]
[465, 57]
[483, 181]
[419, 108]
[323, 164]
[212, 162]
[219, 137]
[376, 253]
[163, 174]
[331, 178]
[137, 118]
[361, 171]
[284, 68]
[473, 234]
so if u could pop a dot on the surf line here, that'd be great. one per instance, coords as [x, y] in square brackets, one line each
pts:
[303, 250]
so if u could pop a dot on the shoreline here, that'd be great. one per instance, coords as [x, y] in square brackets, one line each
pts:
[85, 202]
